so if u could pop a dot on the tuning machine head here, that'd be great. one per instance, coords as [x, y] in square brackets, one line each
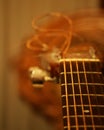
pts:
[39, 76]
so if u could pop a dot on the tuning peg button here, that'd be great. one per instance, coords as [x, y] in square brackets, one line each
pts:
[38, 76]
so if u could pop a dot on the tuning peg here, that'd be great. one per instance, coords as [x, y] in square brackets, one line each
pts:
[38, 76]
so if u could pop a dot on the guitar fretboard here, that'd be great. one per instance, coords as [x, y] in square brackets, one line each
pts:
[82, 93]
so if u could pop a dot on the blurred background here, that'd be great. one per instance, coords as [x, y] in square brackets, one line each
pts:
[15, 24]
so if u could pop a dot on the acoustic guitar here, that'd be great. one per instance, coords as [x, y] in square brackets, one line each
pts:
[78, 71]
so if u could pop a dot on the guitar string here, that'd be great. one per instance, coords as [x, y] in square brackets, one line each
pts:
[76, 119]
[88, 95]
[66, 91]
[81, 96]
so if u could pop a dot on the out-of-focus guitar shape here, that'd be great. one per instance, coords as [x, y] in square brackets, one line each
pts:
[64, 59]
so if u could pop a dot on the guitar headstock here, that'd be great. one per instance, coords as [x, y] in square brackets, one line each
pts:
[53, 42]
[39, 61]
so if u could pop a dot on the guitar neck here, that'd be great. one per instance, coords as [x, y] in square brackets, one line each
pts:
[82, 93]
